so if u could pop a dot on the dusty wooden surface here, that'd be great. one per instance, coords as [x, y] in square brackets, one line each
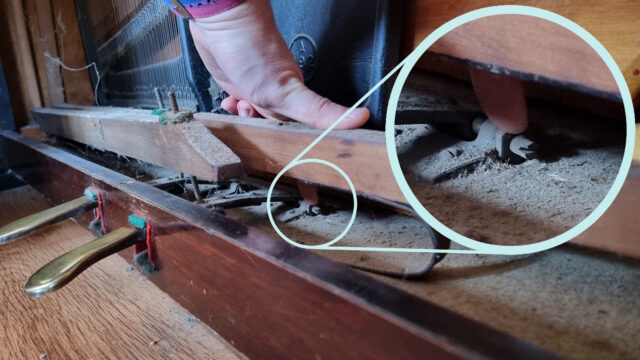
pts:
[187, 147]
[264, 147]
[613, 23]
[107, 312]
[618, 229]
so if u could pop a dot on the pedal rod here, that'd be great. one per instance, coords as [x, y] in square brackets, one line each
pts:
[66, 267]
[31, 223]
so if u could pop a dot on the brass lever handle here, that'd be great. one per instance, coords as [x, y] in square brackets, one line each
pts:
[31, 223]
[66, 267]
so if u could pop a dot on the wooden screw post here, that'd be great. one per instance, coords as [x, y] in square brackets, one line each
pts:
[174, 101]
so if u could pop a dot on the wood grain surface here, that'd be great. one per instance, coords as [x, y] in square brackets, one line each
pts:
[187, 147]
[43, 41]
[531, 46]
[618, 229]
[268, 146]
[77, 85]
[109, 311]
[613, 23]
[17, 61]
[267, 298]
[263, 146]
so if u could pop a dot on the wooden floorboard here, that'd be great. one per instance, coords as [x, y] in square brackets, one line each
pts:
[109, 311]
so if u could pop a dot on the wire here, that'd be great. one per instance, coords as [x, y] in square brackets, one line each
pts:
[95, 68]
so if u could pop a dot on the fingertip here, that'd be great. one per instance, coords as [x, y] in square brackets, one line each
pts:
[246, 109]
[512, 125]
[308, 192]
[355, 119]
[502, 98]
[230, 104]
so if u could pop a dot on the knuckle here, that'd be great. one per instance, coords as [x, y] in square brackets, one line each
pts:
[273, 89]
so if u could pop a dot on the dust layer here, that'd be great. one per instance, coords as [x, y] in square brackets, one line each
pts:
[579, 304]
[496, 202]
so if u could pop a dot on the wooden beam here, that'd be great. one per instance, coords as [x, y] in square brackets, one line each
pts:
[613, 23]
[264, 146]
[531, 46]
[267, 146]
[264, 296]
[187, 147]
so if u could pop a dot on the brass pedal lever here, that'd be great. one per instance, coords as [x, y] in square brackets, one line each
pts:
[31, 223]
[66, 267]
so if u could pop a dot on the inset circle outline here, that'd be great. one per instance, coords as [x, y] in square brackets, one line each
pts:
[413, 58]
[353, 213]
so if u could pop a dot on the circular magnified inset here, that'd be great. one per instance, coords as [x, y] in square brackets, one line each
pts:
[509, 133]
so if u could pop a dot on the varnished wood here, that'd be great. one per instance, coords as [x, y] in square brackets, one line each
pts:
[268, 298]
[529, 45]
[613, 23]
[186, 147]
[618, 229]
[110, 311]
[268, 146]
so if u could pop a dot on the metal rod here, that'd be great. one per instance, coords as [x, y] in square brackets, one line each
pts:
[61, 270]
[196, 188]
[158, 97]
[174, 101]
[31, 223]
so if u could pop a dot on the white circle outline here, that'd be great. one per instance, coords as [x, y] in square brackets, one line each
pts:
[353, 213]
[413, 58]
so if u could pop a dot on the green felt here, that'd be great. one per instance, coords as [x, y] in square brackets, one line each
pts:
[137, 221]
[90, 194]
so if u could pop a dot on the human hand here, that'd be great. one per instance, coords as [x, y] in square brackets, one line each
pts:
[502, 98]
[245, 54]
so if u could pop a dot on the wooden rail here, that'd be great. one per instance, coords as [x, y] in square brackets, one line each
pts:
[264, 296]
[264, 146]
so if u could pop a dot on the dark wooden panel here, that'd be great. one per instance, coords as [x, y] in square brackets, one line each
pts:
[269, 299]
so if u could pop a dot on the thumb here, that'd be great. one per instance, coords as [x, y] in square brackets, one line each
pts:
[502, 98]
[302, 104]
